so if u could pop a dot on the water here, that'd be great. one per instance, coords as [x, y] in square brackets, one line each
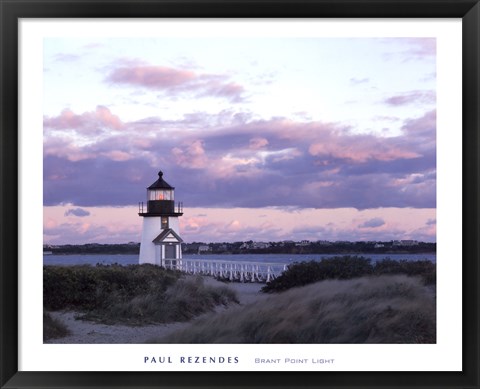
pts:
[132, 259]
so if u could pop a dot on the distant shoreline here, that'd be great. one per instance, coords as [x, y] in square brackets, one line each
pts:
[259, 248]
[228, 254]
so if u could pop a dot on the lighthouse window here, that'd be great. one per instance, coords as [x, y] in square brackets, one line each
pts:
[164, 222]
[160, 195]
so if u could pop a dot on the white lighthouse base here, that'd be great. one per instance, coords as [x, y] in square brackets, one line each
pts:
[150, 230]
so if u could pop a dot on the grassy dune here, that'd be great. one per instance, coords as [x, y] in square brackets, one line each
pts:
[377, 309]
[52, 328]
[136, 294]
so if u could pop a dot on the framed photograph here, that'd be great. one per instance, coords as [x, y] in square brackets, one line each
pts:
[239, 194]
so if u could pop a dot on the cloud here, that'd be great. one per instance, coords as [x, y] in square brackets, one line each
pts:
[95, 181]
[372, 223]
[362, 150]
[419, 48]
[422, 130]
[88, 122]
[93, 45]
[175, 81]
[236, 161]
[83, 232]
[412, 97]
[258, 143]
[191, 156]
[153, 77]
[413, 49]
[66, 57]
[77, 212]
[358, 81]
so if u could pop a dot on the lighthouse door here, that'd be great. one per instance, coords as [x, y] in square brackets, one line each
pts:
[169, 252]
[170, 262]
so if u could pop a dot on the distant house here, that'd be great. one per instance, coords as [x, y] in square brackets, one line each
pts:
[405, 243]
[261, 245]
[303, 243]
[324, 242]
[204, 249]
[254, 245]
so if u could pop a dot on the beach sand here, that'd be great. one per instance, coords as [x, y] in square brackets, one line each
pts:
[89, 332]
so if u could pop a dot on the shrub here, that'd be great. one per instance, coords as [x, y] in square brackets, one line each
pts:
[383, 309]
[91, 287]
[347, 267]
[303, 273]
[423, 268]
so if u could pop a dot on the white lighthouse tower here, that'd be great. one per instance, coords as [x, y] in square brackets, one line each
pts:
[161, 242]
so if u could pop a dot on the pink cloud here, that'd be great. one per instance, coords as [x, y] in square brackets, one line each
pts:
[258, 143]
[424, 97]
[49, 223]
[61, 147]
[191, 155]
[422, 47]
[153, 77]
[88, 122]
[360, 148]
[90, 233]
[231, 91]
[117, 155]
[176, 80]
[415, 48]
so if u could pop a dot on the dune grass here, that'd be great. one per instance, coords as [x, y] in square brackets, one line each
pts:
[380, 309]
[135, 294]
[52, 328]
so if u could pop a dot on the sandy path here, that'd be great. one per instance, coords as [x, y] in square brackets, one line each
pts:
[88, 332]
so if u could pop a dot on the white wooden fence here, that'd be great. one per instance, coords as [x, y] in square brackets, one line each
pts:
[233, 271]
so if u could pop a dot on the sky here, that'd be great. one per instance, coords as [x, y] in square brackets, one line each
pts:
[264, 139]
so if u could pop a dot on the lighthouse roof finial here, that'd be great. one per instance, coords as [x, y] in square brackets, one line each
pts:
[160, 183]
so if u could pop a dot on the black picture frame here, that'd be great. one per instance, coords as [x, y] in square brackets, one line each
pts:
[11, 11]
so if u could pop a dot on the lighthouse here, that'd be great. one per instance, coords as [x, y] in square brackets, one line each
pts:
[161, 242]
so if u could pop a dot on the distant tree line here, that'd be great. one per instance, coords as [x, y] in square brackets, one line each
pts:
[94, 248]
[304, 247]
[251, 247]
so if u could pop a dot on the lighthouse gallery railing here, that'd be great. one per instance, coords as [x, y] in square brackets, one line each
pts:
[234, 271]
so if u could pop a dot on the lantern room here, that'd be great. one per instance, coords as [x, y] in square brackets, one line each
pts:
[160, 200]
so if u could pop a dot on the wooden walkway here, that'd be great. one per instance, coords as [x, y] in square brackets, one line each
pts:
[233, 271]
